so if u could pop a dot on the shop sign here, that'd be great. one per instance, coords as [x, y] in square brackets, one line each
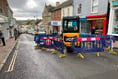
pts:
[115, 3]
[56, 23]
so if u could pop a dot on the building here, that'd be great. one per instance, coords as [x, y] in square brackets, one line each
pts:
[67, 8]
[46, 15]
[113, 21]
[61, 10]
[6, 16]
[92, 13]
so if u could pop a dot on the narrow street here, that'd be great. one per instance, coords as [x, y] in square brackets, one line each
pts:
[36, 64]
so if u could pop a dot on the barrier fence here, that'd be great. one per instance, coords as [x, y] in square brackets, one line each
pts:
[52, 41]
[84, 44]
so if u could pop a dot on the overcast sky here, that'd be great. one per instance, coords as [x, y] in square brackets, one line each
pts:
[27, 9]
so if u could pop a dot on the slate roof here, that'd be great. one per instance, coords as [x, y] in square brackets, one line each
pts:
[64, 4]
[49, 7]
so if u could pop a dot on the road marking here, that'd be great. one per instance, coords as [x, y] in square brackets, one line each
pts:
[11, 66]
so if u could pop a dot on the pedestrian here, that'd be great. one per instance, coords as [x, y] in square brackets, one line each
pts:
[93, 30]
[2, 38]
[15, 33]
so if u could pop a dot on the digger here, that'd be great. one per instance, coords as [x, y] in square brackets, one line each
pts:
[70, 30]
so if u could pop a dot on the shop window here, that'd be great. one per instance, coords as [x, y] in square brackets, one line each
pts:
[85, 27]
[115, 22]
[99, 27]
[79, 8]
[94, 6]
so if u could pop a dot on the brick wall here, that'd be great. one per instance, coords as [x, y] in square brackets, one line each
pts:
[56, 15]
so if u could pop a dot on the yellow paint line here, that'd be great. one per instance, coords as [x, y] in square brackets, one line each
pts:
[14, 62]
[11, 66]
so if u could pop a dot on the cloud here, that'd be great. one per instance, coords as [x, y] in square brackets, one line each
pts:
[27, 9]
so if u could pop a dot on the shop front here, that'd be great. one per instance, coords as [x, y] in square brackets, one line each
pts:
[56, 26]
[84, 26]
[99, 22]
[113, 23]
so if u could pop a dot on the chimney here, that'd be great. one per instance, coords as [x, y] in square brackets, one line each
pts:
[57, 4]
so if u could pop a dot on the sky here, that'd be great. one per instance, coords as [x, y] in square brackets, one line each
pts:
[29, 9]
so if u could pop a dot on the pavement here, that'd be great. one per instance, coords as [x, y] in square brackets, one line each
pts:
[37, 64]
[6, 50]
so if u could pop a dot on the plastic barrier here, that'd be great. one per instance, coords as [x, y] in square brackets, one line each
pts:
[52, 41]
[37, 40]
[108, 39]
[59, 45]
[93, 44]
[46, 41]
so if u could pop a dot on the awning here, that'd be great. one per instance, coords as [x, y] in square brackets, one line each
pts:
[96, 17]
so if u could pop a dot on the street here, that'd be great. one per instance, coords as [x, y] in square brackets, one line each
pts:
[29, 63]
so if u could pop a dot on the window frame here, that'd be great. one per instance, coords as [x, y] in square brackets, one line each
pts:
[93, 6]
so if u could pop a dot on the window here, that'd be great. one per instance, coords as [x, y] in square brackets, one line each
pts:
[58, 14]
[85, 27]
[68, 11]
[63, 13]
[0, 10]
[94, 7]
[79, 8]
[115, 22]
[70, 25]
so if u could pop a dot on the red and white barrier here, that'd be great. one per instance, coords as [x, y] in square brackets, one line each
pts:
[88, 39]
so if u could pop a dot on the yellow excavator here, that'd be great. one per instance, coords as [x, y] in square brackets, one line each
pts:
[70, 30]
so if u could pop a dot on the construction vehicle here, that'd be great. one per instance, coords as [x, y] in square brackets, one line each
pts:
[70, 30]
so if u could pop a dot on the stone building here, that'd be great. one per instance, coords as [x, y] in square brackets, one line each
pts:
[46, 15]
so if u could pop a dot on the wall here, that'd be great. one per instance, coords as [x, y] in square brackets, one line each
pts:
[86, 7]
[5, 30]
[56, 15]
[64, 11]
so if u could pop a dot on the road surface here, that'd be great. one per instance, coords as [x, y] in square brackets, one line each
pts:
[28, 63]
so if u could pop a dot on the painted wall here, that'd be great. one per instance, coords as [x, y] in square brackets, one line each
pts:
[86, 7]
[64, 11]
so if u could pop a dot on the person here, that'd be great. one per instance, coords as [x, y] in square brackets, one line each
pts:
[2, 38]
[75, 28]
[93, 30]
[15, 33]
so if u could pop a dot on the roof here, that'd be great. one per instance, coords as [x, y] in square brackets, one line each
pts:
[49, 8]
[64, 4]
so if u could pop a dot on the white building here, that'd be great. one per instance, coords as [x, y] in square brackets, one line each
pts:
[113, 21]
[4, 26]
[67, 10]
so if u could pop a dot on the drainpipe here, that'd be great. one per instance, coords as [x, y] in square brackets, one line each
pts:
[108, 16]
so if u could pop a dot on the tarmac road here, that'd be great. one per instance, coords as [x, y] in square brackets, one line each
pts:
[29, 63]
